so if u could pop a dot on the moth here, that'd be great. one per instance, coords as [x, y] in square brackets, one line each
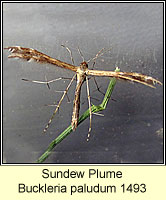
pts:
[81, 74]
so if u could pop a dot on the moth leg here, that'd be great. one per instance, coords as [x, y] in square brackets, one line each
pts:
[43, 82]
[90, 110]
[98, 88]
[57, 108]
[68, 99]
[47, 82]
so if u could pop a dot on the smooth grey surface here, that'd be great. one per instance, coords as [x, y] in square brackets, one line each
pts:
[131, 129]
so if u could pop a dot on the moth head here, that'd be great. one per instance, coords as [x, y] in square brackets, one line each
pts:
[84, 65]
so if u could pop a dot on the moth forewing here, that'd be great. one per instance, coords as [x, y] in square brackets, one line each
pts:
[32, 54]
[129, 76]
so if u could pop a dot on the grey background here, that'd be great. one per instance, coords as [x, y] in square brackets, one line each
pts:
[131, 130]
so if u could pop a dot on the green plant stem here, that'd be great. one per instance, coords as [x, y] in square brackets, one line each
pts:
[86, 114]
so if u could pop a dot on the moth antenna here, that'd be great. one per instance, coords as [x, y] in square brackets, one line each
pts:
[81, 54]
[70, 52]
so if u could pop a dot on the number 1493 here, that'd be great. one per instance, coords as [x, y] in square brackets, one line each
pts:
[134, 188]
